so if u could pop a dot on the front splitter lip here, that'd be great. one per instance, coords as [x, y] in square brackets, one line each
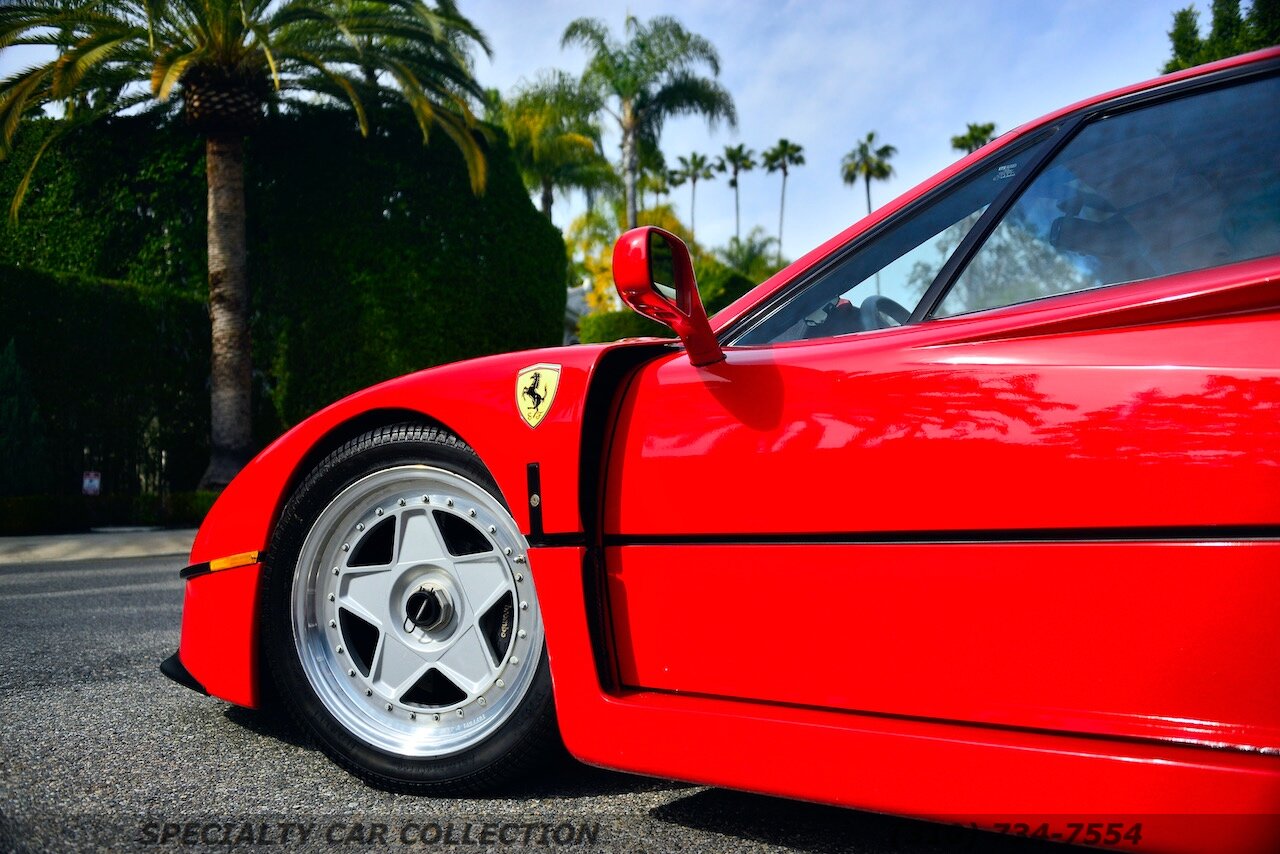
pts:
[177, 671]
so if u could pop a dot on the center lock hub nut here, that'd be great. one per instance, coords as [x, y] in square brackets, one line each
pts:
[428, 608]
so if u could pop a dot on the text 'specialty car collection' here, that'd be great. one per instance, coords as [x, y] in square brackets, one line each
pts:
[971, 514]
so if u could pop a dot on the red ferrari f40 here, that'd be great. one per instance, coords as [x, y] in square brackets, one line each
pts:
[970, 514]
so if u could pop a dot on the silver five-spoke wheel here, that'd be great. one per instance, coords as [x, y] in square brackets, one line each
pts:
[401, 621]
[412, 611]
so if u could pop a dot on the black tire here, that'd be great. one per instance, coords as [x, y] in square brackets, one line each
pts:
[528, 734]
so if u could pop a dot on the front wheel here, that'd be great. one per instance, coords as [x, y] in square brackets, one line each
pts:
[401, 622]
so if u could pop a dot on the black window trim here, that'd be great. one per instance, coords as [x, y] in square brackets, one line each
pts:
[766, 310]
[1061, 132]
[1175, 91]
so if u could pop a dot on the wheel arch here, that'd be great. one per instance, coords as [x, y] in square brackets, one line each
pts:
[337, 436]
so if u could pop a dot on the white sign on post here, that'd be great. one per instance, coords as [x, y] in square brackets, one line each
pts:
[92, 484]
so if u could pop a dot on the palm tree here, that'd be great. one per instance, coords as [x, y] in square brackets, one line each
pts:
[226, 60]
[736, 160]
[974, 137]
[554, 138]
[694, 168]
[781, 158]
[649, 78]
[868, 161]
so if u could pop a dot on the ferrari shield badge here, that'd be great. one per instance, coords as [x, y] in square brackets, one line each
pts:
[535, 389]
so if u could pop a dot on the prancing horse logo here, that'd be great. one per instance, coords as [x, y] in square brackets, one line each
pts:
[535, 390]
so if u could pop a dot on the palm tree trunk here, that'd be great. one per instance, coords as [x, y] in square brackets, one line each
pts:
[782, 207]
[737, 217]
[693, 207]
[547, 197]
[629, 169]
[231, 372]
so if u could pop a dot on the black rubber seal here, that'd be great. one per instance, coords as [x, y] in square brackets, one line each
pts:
[196, 569]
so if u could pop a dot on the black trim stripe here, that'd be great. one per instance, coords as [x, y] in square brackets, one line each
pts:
[533, 479]
[551, 541]
[1029, 535]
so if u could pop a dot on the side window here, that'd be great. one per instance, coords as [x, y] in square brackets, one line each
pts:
[880, 284]
[1183, 185]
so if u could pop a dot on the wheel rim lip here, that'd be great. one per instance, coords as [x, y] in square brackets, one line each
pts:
[436, 731]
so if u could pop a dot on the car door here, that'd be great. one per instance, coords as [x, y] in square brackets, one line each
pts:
[1011, 461]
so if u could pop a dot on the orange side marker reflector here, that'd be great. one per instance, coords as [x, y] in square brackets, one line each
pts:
[232, 561]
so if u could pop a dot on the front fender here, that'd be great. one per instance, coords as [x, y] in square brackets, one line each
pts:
[476, 400]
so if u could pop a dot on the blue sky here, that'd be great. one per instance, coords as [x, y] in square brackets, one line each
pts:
[824, 73]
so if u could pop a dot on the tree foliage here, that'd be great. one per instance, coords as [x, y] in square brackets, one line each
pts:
[591, 237]
[694, 168]
[117, 375]
[227, 60]
[755, 256]
[718, 285]
[736, 160]
[23, 465]
[383, 266]
[780, 158]
[976, 135]
[1231, 32]
[552, 129]
[869, 161]
[654, 75]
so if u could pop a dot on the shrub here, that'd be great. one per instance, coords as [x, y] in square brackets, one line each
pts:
[116, 374]
[719, 284]
[616, 325]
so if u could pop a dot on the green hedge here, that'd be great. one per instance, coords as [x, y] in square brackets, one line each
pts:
[719, 284]
[615, 325]
[55, 514]
[389, 262]
[109, 377]
[368, 258]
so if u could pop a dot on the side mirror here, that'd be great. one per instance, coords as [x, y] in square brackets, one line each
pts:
[654, 276]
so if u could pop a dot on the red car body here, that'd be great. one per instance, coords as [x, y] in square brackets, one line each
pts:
[1018, 568]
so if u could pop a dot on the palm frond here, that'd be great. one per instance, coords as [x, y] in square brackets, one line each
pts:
[17, 95]
[688, 94]
[590, 33]
[458, 130]
[337, 79]
[110, 53]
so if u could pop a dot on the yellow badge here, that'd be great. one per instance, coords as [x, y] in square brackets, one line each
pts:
[535, 389]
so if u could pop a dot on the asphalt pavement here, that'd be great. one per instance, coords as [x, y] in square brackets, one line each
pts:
[100, 752]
